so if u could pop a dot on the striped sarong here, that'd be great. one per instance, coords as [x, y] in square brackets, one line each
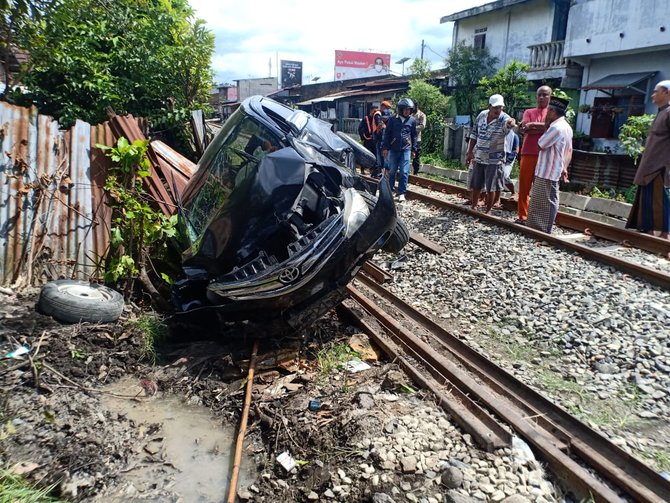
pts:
[651, 209]
[543, 206]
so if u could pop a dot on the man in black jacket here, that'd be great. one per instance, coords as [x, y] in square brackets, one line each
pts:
[399, 145]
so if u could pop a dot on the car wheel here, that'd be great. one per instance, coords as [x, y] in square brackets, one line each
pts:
[400, 235]
[73, 301]
[398, 238]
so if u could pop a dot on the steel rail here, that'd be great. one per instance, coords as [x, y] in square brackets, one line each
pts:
[627, 472]
[657, 277]
[624, 237]
[484, 430]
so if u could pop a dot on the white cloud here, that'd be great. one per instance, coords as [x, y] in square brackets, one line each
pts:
[251, 36]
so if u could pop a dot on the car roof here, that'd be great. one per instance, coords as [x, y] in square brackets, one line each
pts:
[273, 114]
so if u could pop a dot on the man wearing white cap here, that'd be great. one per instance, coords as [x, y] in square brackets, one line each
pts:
[651, 209]
[487, 149]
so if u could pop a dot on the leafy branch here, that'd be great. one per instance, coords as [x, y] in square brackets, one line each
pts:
[137, 228]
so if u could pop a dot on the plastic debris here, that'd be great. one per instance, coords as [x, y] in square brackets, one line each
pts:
[287, 461]
[18, 352]
[314, 405]
[400, 263]
[356, 365]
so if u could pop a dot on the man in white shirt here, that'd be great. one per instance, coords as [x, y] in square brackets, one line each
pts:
[552, 166]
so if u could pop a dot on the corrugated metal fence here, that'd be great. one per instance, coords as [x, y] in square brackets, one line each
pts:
[54, 216]
[54, 221]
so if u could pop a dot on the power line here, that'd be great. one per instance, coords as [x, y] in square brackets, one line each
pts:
[443, 56]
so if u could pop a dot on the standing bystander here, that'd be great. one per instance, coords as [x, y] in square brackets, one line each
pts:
[555, 147]
[487, 149]
[380, 124]
[400, 145]
[532, 127]
[420, 126]
[651, 209]
[366, 128]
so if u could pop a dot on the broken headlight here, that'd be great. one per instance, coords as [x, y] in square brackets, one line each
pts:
[356, 211]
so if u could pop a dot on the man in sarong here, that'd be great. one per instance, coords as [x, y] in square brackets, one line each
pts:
[651, 209]
[555, 147]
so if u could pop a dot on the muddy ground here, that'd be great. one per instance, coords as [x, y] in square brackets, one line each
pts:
[69, 411]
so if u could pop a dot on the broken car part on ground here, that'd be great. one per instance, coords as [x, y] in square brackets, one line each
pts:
[277, 222]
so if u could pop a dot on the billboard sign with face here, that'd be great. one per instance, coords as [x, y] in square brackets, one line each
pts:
[355, 64]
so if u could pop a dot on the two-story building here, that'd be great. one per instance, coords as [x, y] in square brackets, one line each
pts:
[624, 47]
[611, 51]
[528, 31]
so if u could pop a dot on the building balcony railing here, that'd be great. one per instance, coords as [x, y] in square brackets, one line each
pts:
[546, 56]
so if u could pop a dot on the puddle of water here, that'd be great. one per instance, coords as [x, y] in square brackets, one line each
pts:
[196, 450]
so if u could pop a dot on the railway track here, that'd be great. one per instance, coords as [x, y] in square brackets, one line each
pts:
[622, 238]
[478, 394]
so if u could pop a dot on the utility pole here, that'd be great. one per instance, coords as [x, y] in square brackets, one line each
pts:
[422, 46]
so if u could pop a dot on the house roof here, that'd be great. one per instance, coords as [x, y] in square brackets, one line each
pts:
[351, 93]
[482, 9]
[620, 81]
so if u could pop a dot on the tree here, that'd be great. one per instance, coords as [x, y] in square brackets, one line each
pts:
[14, 14]
[467, 65]
[436, 106]
[143, 57]
[420, 68]
[511, 83]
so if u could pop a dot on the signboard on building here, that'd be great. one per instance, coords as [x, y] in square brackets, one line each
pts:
[354, 64]
[291, 73]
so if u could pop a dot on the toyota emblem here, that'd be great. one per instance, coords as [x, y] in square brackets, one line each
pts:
[289, 275]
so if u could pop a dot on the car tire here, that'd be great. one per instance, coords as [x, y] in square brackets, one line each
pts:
[400, 235]
[398, 238]
[74, 301]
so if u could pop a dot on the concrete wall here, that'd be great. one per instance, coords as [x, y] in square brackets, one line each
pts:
[511, 30]
[252, 87]
[595, 26]
[601, 67]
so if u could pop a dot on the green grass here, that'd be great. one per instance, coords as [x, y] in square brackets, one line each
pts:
[440, 161]
[553, 382]
[14, 489]
[153, 332]
[512, 349]
[333, 356]
[659, 459]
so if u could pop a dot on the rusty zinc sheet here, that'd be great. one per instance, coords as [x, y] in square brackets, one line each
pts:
[54, 222]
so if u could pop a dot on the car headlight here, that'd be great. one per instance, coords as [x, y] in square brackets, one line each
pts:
[356, 211]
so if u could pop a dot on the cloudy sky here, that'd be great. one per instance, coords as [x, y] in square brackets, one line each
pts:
[251, 35]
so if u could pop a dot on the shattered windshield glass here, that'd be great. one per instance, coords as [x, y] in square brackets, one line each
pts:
[235, 162]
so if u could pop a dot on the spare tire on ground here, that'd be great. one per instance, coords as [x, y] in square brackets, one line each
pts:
[73, 301]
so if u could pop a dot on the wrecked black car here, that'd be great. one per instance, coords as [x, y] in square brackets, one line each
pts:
[277, 221]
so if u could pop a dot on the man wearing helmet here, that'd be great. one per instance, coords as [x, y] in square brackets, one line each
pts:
[399, 145]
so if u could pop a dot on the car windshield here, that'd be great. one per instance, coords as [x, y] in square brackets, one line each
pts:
[244, 145]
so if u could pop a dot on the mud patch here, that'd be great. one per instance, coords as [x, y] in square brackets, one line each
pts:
[186, 451]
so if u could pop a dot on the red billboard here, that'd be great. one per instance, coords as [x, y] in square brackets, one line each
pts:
[355, 64]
